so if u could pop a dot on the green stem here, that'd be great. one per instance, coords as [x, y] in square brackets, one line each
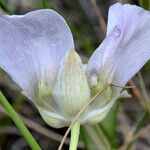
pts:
[6, 7]
[75, 131]
[14, 116]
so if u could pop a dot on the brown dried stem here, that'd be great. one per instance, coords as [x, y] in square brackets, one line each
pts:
[98, 13]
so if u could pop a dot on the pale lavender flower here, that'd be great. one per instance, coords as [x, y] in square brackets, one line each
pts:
[37, 51]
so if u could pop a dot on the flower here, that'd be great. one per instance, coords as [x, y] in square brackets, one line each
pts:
[37, 51]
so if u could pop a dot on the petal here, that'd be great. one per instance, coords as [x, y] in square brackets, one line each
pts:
[32, 47]
[53, 119]
[126, 48]
[50, 111]
[95, 115]
[71, 90]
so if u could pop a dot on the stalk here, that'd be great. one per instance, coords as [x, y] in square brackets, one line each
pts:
[75, 131]
[16, 119]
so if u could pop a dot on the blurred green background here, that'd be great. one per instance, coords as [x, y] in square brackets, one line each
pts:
[126, 126]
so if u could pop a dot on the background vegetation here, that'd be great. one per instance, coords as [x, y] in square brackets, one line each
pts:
[127, 126]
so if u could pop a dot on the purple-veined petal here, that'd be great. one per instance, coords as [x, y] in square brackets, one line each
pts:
[126, 47]
[32, 46]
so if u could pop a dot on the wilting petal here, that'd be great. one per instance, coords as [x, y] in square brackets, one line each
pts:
[32, 46]
[71, 90]
[126, 48]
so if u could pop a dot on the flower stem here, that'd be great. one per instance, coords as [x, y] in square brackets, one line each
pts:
[75, 131]
[14, 116]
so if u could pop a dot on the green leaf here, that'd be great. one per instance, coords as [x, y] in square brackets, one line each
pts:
[6, 7]
[15, 117]
[145, 4]
[86, 139]
[92, 134]
[109, 124]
